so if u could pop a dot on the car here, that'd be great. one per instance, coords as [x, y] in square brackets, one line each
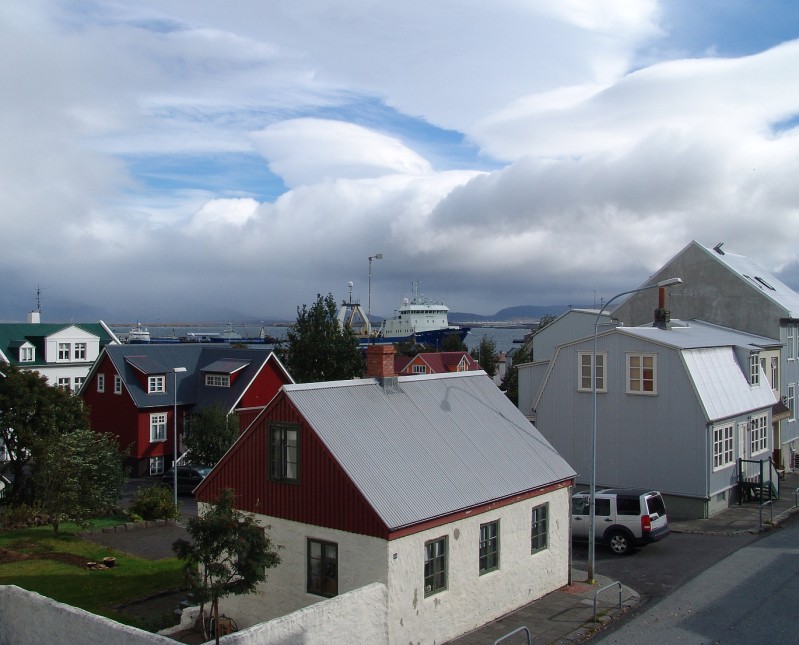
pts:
[624, 518]
[189, 477]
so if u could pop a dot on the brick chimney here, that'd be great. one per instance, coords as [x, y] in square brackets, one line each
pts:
[380, 361]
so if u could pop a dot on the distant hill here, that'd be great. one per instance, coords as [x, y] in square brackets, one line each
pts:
[510, 314]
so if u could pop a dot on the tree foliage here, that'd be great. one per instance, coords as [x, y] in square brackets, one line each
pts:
[510, 382]
[318, 348]
[209, 435]
[31, 413]
[154, 503]
[78, 475]
[486, 355]
[229, 553]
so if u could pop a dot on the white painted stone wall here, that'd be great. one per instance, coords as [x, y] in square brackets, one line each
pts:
[361, 561]
[27, 618]
[471, 600]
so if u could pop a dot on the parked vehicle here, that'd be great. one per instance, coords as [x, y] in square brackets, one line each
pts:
[189, 477]
[624, 518]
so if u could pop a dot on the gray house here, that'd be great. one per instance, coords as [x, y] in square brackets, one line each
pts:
[676, 409]
[735, 291]
[575, 323]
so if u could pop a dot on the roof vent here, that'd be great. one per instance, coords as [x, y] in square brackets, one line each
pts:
[389, 384]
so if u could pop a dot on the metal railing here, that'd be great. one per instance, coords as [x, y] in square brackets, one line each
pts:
[516, 631]
[598, 591]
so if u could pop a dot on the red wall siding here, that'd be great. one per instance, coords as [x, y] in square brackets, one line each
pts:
[325, 495]
[109, 412]
[264, 387]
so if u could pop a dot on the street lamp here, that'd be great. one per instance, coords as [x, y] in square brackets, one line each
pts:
[592, 518]
[175, 372]
[376, 256]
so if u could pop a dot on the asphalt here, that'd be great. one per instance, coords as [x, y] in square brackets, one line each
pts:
[564, 616]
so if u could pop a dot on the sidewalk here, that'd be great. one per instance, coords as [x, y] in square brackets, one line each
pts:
[563, 616]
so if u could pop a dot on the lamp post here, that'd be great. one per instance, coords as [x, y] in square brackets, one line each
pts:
[592, 492]
[175, 372]
[376, 256]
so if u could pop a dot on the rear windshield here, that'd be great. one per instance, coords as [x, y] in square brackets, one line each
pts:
[656, 505]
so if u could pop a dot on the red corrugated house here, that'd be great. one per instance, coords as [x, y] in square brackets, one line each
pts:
[436, 363]
[435, 486]
[131, 393]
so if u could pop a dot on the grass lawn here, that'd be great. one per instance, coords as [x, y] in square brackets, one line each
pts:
[54, 565]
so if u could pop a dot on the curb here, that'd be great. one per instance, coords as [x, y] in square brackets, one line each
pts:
[589, 628]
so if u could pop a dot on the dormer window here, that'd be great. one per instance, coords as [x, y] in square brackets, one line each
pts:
[217, 380]
[26, 354]
[64, 351]
[754, 369]
[156, 384]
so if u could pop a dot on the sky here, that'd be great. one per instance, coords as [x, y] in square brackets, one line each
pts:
[191, 160]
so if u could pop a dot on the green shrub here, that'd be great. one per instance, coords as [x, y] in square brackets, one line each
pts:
[154, 503]
[17, 516]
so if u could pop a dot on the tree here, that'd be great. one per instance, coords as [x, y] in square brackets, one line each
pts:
[210, 433]
[486, 355]
[510, 382]
[229, 553]
[319, 348]
[452, 343]
[32, 412]
[78, 475]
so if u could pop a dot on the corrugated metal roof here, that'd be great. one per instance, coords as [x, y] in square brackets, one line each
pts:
[721, 386]
[225, 366]
[146, 365]
[436, 445]
[696, 333]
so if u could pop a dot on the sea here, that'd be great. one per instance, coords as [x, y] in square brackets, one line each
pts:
[505, 338]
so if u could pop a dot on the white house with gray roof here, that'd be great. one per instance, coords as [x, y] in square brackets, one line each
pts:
[737, 292]
[676, 409]
[435, 486]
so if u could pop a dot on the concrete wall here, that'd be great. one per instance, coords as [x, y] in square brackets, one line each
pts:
[470, 599]
[27, 618]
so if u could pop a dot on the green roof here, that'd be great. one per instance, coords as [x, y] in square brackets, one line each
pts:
[14, 335]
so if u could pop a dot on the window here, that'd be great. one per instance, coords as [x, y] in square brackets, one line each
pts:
[791, 401]
[435, 566]
[80, 351]
[539, 528]
[322, 568]
[585, 359]
[26, 354]
[641, 374]
[78, 381]
[155, 384]
[156, 465]
[722, 446]
[754, 369]
[158, 427]
[217, 380]
[284, 443]
[790, 345]
[117, 384]
[775, 373]
[489, 547]
[758, 434]
[65, 382]
[101, 382]
[419, 369]
[64, 351]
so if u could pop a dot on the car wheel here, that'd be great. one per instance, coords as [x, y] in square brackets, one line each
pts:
[619, 543]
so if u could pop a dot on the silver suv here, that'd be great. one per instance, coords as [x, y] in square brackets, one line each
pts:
[624, 517]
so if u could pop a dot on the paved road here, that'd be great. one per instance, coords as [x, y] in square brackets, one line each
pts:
[747, 597]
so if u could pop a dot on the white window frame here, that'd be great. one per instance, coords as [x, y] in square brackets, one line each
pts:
[791, 342]
[156, 384]
[117, 384]
[217, 380]
[791, 400]
[80, 351]
[65, 382]
[157, 465]
[642, 357]
[64, 351]
[101, 383]
[584, 362]
[775, 373]
[754, 368]
[78, 382]
[419, 369]
[27, 354]
[758, 434]
[157, 427]
[723, 446]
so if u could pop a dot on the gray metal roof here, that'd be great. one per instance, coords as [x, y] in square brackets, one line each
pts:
[226, 366]
[434, 445]
[694, 334]
[146, 365]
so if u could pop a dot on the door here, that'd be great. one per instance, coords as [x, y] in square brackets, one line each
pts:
[581, 516]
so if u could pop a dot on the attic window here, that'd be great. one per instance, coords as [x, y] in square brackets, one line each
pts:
[26, 354]
[156, 384]
[217, 380]
[764, 283]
